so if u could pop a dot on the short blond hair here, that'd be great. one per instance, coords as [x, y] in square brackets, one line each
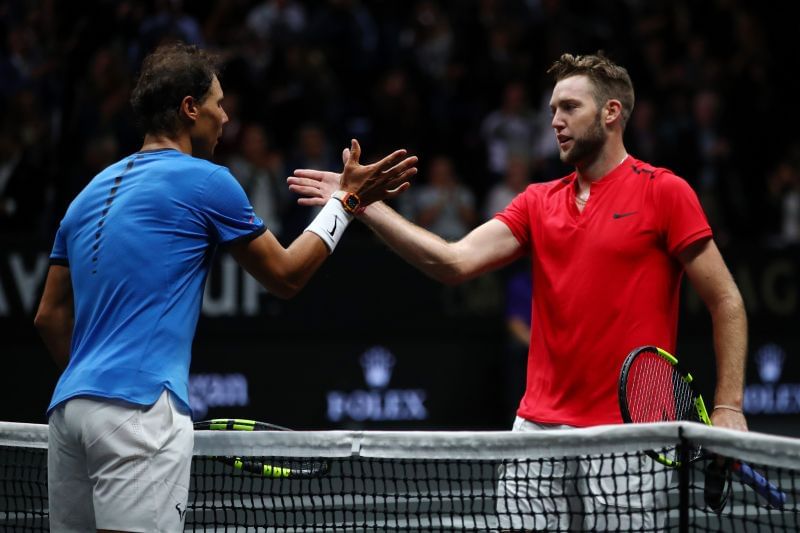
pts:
[610, 80]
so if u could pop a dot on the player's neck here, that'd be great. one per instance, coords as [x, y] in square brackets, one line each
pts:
[162, 142]
[606, 161]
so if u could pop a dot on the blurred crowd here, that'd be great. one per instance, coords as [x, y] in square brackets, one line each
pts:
[461, 83]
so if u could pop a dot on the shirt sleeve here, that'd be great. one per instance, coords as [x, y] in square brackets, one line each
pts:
[58, 256]
[517, 217]
[681, 216]
[227, 210]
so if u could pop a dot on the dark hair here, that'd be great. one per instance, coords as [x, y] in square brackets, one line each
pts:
[610, 80]
[169, 74]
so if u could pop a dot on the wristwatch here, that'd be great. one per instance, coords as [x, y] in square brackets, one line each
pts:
[350, 200]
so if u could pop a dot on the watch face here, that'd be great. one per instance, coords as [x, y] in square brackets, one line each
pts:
[351, 202]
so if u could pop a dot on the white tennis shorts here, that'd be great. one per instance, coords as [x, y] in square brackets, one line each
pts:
[623, 493]
[113, 465]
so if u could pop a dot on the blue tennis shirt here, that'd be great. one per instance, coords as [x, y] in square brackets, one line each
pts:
[138, 241]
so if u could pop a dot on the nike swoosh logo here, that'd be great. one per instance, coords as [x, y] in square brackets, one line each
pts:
[621, 215]
[335, 221]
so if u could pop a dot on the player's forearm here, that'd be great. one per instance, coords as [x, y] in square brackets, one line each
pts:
[306, 258]
[282, 271]
[55, 328]
[424, 250]
[730, 344]
[295, 266]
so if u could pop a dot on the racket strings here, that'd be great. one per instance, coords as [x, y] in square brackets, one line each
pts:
[655, 391]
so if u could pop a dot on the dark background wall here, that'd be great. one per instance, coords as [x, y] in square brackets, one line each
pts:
[716, 85]
[301, 363]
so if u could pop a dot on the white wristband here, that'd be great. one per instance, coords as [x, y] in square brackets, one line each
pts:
[330, 223]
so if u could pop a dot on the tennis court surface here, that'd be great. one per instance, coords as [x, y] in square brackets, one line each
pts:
[445, 481]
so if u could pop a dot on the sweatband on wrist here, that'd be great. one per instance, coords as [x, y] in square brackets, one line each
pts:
[330, 223]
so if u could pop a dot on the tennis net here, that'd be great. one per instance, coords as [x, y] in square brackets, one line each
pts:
[583, 479]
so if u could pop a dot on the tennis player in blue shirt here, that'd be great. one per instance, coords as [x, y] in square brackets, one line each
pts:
[124, 291]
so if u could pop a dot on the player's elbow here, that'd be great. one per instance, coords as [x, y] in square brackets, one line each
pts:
[286, 291]
[287, 286]
[43, 320]
[454, 271]
[735, 304]
[455, 266]
[280, 280]
[452, 277]
[46, 321]
[730, 305]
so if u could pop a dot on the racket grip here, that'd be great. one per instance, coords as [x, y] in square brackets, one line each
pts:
[774, 496]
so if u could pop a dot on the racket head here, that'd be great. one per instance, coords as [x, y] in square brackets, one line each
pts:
[269, 467]
[653, 387]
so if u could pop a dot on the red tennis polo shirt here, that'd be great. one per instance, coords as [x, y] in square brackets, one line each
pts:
[605, 281]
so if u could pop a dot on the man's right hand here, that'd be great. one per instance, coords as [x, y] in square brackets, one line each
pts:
[379, 181]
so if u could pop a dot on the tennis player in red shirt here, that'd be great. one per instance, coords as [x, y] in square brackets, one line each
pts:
[609, 245]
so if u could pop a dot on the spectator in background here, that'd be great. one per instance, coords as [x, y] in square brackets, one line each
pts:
[312, 148]
[444, 206]
[25, 62]
[168, 22]
[292, 61]
[26, 187]
[395, 109]
[519, 291]
[100, 151]
[434, 40]
[277, 21]
[642, 135]
[516, 178]
[23, 193]
[509, 130]
[784, 200]
[711, 168]
[345, 32]
[260, 171]
[101, 102]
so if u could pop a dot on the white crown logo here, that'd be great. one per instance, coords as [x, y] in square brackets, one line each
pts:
[770, 359]
[377, 363]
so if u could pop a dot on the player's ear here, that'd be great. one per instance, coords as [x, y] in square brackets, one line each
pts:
[188, 110]
[612, 111]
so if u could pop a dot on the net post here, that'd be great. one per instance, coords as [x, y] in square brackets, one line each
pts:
[683, 482]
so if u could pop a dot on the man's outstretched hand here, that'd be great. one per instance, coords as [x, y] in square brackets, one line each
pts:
[379, 181]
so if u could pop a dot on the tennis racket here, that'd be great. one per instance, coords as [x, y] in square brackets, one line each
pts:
[653, 387]
[261, 466]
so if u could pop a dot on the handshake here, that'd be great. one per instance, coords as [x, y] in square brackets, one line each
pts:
[357, 185]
